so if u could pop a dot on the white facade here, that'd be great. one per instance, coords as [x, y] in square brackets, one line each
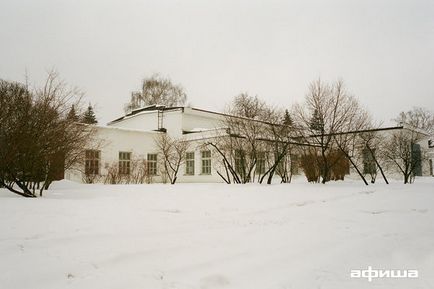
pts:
[136, 132]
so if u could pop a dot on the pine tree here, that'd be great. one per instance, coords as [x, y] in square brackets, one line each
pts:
[316, 122]
[89, 116]
[72, 114]
[287, 119]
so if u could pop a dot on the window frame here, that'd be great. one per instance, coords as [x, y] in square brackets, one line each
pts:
[152, 164]
[239, 161]
[369, 164]
[189, 163]
[206, 162]
[261, 158]
[92, 162]
[124, 163]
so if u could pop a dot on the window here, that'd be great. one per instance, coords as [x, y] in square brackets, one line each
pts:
[240, 160]
[92, 162]
[416, 159]
[124, 163]
[152, 164]
[189, 163]
[369, 165]
[431, 171]
[206, 162]
[260, 163]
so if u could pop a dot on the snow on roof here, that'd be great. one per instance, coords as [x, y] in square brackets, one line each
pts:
[128, 129]
[143, 110]
[186, 109]
[202, 129]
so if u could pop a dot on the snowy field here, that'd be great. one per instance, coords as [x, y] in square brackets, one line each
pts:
[217, 236]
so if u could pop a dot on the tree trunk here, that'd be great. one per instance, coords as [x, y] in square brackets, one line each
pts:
[378, 164]
[26, 193]
[325, 168]
[224, 179]
[273, 168]
[406, 179]
[271, 174]
[358, 171]
[230, 168]
[354, 165]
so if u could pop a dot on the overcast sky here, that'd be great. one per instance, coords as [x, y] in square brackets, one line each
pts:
[383, 50]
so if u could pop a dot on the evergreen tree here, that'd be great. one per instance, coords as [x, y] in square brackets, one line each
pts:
[316, 122]
[72, 114]
[287, 119]
[89, 116]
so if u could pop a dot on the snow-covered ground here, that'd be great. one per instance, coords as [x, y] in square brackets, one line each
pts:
[217, 236]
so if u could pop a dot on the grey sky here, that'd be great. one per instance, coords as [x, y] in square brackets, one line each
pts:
[383, 50]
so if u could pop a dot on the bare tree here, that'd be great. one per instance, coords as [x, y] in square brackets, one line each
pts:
[372, 146]
[256, 144]
[157, 90]
[222, 145]
[240, 148]
[418, 117]
[402, 150]
[329, 111]
[173, 153]
[277, 137]
[138, 173]
[355, 120]
[112, 176]
[37, 139]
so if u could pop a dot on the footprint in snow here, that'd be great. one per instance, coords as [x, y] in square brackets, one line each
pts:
[422, 211]
[70, 276]
[375, 212]
[302, 204]
[213, 281]
[175, 211]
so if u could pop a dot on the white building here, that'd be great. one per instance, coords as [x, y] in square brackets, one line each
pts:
[132, 137]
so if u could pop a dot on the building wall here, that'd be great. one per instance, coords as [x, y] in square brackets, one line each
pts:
[430, 155]
[172, 122]
[198, 177]
[136, 134]
[146, 121]
[196, 120]
[427, 155]
[112, 140]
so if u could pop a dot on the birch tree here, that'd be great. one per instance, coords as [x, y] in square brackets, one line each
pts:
[157, 90]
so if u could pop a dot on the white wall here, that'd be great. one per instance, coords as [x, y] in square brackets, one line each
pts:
[140, 143]
[172, 122]
[194, 119]
[136, 134]
[198, 177]
[113, 140]
[146, 121]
